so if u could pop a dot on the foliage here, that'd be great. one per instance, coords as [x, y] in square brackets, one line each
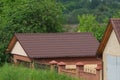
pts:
[33, 15]
[18, 16]
[8, 72]
[28, 16]
[117, 14]
[101, 8]
[88, 23]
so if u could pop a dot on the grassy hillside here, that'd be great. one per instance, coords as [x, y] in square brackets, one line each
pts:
[9, 72]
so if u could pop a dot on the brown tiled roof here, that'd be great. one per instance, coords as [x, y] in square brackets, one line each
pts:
[114, 24]
[52, 45]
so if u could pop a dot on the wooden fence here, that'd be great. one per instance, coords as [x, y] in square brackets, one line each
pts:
[80, 70]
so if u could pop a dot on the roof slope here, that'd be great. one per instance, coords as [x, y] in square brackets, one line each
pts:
[114, 24]
[52, 45]
[116, 27]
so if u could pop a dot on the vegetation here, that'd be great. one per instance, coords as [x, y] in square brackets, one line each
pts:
[117, 15]
[88, 23]
[32, 16]
[93, 14]
[27, 16]
[8, 72]
[100, 8]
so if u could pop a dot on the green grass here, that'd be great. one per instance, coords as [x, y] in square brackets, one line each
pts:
[10, 72]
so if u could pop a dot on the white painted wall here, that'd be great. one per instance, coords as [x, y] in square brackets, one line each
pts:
[17, 49]
[112, 48]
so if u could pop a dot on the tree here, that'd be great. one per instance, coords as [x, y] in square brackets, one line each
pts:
[30, 16]
[95, 3]
[33, 15]
[117, 14]
[88, 23]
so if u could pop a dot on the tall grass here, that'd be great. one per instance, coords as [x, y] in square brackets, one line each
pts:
[10, 72]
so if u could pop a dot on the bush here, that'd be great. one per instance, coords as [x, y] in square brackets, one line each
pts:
[27, 16]
[10, 72]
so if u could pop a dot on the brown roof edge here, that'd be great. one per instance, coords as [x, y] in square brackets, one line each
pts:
[11, 44]
[105, 39]
[116, 28]
[23, 47]
[46, 57]
[66, 57]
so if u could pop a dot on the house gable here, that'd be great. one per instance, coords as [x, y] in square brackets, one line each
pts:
[109, 49]
[114, 24]
[17, 49]
[112, 46]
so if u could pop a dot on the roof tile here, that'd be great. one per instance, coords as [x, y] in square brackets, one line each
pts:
[116, 26]
[52, 45]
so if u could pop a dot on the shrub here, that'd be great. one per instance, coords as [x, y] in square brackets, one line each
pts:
[10, 72]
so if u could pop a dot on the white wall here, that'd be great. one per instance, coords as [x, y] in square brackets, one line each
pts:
[112, 48]
[17, 49]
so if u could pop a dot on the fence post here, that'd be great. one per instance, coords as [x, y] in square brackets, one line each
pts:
[32, 65]
[61, 66]
[15, 61]
[53, 63]
[98, 69]
[79, 69]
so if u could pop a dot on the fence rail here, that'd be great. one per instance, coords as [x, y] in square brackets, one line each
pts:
[42, 66]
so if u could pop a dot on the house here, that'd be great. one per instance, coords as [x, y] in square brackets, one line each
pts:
[45, 47]
[109, 49]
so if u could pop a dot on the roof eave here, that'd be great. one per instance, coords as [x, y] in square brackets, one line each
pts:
[105, 39]
[11, 44]
[64, 57]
